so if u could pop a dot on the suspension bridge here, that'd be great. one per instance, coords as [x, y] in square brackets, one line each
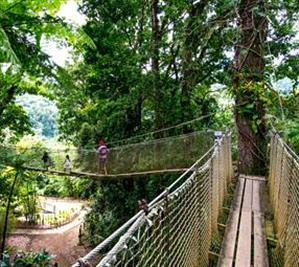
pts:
[209, 216]
[152, 157]
[212, 217]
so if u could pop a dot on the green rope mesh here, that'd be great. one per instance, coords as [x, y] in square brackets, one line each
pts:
[162, 154]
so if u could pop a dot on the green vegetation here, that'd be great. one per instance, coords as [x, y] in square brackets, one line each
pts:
[24, 66]
[41, 259]
[42, 114]
[139, 66]
[115, 202]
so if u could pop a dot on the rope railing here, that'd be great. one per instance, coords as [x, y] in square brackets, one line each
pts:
[284, 198]
[179, 225]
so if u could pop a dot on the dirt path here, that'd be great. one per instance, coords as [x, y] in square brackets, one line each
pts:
[63, 245]
[61, 242]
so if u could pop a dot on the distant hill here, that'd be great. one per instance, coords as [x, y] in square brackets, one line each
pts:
[42, 113]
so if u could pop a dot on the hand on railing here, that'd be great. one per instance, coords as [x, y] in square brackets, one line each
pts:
[83, 263]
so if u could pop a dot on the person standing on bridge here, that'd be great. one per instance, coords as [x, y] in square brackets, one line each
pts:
[46, 160]
[102, 161]
[67, 165]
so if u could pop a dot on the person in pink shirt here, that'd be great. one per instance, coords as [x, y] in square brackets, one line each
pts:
[102, 151]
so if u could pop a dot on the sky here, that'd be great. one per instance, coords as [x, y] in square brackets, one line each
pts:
[60, 55]
[70, 12]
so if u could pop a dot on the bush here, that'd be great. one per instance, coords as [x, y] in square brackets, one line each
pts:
[27, 259]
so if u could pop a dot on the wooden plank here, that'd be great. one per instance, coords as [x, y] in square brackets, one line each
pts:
[230, 237]
[256, 178]
[256, 197]
[247, 200]
[243, 256]
[251, 223]
[260, 247]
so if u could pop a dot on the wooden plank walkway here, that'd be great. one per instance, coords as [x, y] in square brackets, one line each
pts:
[244, 243]
[100, 177]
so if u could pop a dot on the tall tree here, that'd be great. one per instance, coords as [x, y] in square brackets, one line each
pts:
[150, 63]
[265, 33]
[193, 37]
[155, 63]
[249, 67]
[116, 64]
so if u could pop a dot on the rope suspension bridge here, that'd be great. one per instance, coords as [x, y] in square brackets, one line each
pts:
[154, 157]
[180, 227]
[190, 222]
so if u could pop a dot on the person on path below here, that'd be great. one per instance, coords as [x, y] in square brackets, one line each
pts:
[102, 161]
[67, 165]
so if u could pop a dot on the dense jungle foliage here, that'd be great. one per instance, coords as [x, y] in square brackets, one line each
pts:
[139, 66]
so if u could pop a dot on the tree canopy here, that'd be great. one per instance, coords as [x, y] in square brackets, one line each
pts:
[25, 68]
[142, 66]
[153, 64]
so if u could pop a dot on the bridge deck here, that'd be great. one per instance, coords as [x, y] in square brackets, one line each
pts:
[98, 176]
[244, 242]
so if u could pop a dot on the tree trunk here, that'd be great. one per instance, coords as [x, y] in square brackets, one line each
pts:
[187, 85]
[189, 72]
[7, 214]
[248, 85]
[133, 118]
[155, 59]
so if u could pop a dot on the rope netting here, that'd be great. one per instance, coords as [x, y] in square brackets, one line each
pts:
[179, 225]
[284, 197]
[168, 153]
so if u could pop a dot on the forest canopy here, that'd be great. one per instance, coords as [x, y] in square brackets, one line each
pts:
[138, 67]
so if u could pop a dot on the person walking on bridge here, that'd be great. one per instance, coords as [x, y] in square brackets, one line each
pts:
[67, 165]
[102, 161]
[46, 160]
